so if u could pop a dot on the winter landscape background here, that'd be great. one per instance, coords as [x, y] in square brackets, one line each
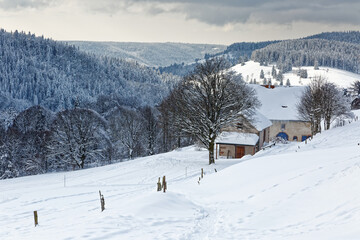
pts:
[87, 116]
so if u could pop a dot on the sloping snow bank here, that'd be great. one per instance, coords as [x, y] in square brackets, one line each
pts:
[292, 191]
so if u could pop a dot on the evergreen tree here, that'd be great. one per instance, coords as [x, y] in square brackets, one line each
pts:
[262, 74]
[356, 88]
[273, 72]
[279, 77]
[316, 65]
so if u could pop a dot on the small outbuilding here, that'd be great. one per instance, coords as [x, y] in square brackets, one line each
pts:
[244, 138]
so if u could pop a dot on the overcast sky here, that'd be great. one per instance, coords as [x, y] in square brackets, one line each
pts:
[196, 21]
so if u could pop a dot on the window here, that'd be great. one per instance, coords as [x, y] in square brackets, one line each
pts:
[295, 138]
[240, 126]
[283, 126]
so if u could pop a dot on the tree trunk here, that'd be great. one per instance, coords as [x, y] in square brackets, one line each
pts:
[130, 153]
[327, 122]
[211, 151]
[83, 157]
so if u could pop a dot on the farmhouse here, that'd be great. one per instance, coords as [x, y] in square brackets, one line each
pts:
[245, 137]
[276, 118]
[279, 105]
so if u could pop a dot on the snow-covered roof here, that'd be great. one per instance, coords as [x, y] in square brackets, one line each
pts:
[279, 103]
[237, 138]
[260, 122]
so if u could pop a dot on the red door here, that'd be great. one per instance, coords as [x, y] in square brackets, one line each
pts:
[239, 152]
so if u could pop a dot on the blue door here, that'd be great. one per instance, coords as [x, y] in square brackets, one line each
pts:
[303, 138]
[283, 135]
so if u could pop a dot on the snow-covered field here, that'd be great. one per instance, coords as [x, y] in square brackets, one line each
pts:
[341, 78]
[291, 191]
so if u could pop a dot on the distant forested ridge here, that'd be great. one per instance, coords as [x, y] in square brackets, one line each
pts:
[234, 54]
[327, 54]
[35, 70]
[308, 52]
[349, 36]
[242, 49]
[150, 54]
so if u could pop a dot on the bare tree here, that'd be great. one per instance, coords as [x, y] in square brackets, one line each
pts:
[171, 135]
[79, 138]
[34, 126]
[9, 151]
[127, 127]
[321, 100]
[334, 104]
[310, 106]
[209, 99]
[150, 128]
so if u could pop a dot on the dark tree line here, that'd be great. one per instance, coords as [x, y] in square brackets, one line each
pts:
[311, 52]
[239, 50]
[37, 140]
[347, 36]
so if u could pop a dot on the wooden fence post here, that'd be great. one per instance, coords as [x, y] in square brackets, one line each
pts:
[102, 201]
[36, 218]
[158, 185]
[164, 184]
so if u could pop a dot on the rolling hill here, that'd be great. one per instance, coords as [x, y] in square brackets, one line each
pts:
[251, 70]
[41, 71]
[150, 54]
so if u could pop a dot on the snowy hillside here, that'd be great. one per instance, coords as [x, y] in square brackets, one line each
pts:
[291, 191]
[251, 70]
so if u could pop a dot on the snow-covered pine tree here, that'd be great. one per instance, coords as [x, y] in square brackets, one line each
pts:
[262, 75]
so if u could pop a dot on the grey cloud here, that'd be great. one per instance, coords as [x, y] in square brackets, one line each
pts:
[220, 12]
[217, 12]
[21, 4]
[216, 15]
